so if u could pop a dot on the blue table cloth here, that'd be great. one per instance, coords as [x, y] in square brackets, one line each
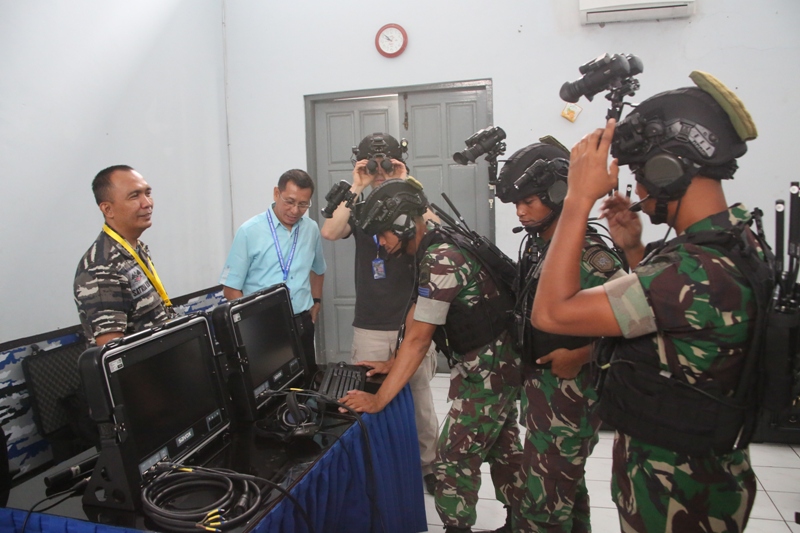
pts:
[341, 492]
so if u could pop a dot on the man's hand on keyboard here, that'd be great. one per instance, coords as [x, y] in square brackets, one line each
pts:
[361, 402]
[377, 367]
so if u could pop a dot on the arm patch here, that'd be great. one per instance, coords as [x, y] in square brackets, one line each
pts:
[600, 259]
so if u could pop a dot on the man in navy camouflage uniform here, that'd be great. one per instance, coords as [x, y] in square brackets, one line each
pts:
[117, 290]
[687, 312]
[558, 403]
[485, 380]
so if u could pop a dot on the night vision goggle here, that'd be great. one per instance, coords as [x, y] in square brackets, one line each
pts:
[542, 174]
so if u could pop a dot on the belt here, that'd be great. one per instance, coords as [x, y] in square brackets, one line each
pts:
[304, 313]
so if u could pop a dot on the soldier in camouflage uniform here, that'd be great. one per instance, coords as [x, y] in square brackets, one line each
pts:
[485, 380]
[687, 312]
[117, 290]
[558, 403]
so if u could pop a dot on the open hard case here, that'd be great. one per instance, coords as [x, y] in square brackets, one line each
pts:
[258, 335]
[156, 395]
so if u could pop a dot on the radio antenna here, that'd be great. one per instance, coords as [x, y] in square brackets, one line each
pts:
[455, 210]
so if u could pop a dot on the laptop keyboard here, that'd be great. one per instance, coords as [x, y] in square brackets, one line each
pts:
[340, 378]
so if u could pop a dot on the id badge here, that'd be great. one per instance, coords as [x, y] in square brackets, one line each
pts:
[378, 268]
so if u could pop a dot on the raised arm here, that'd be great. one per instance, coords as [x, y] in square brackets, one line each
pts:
[338, 226]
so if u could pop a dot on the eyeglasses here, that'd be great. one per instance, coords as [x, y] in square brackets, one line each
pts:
[291, 203]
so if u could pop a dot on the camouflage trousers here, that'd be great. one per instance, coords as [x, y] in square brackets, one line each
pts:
[477, 430]
[562, 431]
[659, 490]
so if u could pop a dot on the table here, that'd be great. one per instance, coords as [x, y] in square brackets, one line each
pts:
[338, 492]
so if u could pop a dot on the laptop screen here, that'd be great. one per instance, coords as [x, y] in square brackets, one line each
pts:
[166, 389]
[267, 347]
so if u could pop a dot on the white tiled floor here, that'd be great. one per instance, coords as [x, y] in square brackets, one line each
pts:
[777, 467]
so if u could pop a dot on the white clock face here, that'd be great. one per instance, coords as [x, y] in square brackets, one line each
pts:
[391, 40]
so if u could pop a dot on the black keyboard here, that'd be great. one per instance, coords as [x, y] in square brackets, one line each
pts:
[340, 378]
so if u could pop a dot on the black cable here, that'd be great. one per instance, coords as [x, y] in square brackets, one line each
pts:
[401, 332]
[241, 497]
[521, 308]
[340, 424]
[370, 470]
[674, 218]
[76, 489]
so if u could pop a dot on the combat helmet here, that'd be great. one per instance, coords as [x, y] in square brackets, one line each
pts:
[675, 135]
[538, 169]
[383, 145]
[393, 205]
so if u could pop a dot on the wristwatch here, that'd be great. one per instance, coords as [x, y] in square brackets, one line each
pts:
[317, 300]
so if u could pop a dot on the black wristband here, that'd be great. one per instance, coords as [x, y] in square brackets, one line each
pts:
[317, 300]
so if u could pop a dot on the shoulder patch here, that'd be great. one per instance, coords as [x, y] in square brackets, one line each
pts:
[600, 259]
[424, 276]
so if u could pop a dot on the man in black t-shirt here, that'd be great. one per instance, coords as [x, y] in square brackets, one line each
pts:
[384, 288]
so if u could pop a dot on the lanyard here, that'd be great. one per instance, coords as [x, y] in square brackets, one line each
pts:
[151, 273]
[284, 266]
[377, 246]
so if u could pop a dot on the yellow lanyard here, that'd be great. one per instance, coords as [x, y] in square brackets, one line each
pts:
[151, 273]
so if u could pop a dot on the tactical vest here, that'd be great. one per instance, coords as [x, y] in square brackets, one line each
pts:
[533, 343]
[663, 408]
[471, 326]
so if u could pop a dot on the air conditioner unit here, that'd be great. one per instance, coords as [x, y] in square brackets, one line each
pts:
[600, 11]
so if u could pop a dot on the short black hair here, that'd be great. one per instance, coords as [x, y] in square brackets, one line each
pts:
[102, 182]
[299, 177]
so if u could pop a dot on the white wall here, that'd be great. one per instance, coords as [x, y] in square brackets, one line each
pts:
[87, 84]
[279, 52]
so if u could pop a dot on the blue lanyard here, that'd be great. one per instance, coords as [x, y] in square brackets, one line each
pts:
[284, 267]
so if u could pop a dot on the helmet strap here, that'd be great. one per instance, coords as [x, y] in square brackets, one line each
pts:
[405, 233]
[660, 215]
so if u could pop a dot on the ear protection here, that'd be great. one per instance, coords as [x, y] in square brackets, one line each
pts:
[405, 228]
[547, 179]
[293, 414]
[666, 175]
[292, 419]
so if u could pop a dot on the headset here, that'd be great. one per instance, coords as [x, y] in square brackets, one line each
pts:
[672, 137]
[292, 420]
[666, 175]
[549, 178]
[538, 169]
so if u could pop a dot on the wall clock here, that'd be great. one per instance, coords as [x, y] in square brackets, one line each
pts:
[391, 40]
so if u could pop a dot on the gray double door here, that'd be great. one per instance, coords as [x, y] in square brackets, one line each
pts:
[437, 122]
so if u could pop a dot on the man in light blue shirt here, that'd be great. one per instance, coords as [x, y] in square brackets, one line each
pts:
[282, 246]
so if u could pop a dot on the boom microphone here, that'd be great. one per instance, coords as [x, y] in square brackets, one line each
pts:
[518, 229]
[636, 207]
